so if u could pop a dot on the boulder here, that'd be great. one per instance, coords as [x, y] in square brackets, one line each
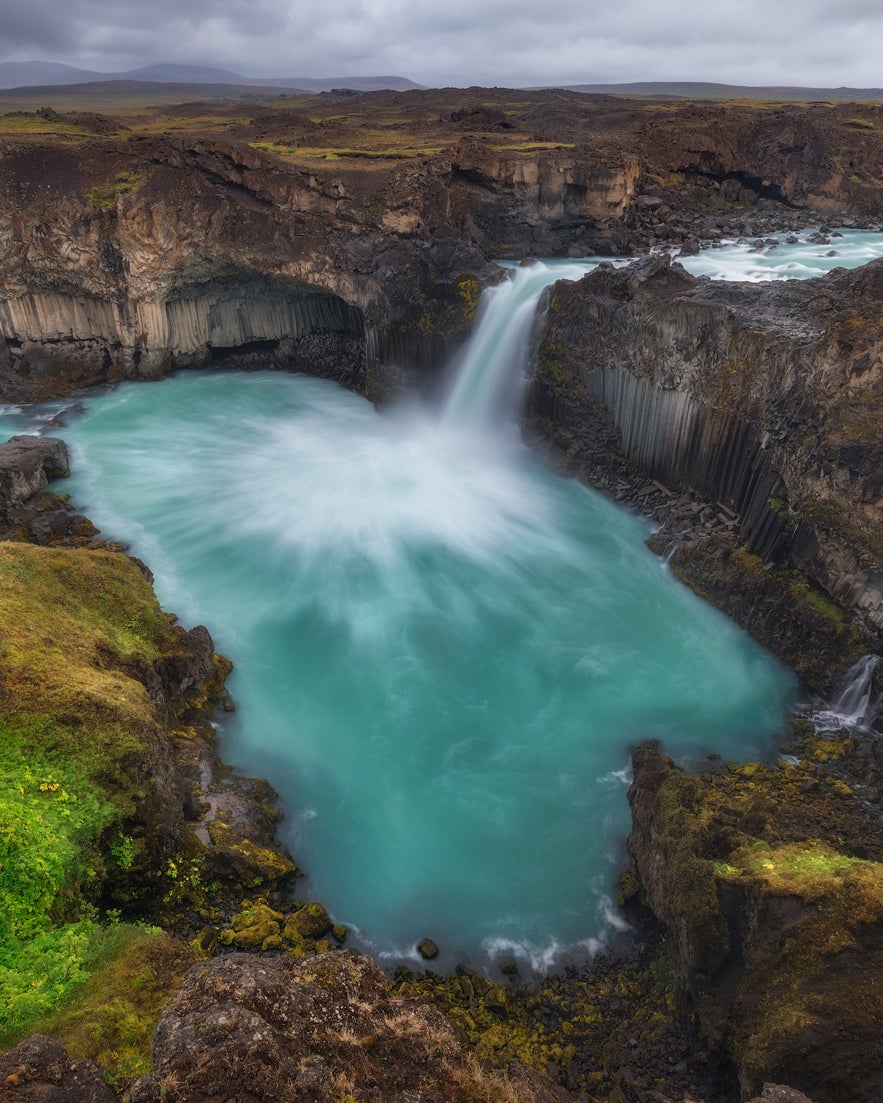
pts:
[26, 466]
[311, 1030]
[39, 1070]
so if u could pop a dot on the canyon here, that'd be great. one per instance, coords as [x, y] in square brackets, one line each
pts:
[350, 237]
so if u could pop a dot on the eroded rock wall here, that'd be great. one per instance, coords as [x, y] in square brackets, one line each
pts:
[764, 397]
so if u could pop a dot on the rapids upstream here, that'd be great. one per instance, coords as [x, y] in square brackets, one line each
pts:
[443, 651]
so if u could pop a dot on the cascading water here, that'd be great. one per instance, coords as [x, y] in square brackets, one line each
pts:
[443, 652]
[488, 384]
[855, 705]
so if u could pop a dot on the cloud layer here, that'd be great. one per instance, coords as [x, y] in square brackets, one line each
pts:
[506, 42]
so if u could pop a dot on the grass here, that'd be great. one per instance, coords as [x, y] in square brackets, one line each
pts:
[79, 627]
[38, 124]
[105, 196]
[112, 1016]
[329, 153]
[531, 147]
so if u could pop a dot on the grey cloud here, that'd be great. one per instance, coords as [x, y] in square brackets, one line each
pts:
[465, 41]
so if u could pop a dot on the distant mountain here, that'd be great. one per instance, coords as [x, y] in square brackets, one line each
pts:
[699, 90]
[27, 74]
[19, 74]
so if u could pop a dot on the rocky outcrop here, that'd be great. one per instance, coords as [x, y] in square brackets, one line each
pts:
[771, 883]
[765, 398]
[39, 1070]
[26, 466]
[309, 1030]
[210, 253]
[145, 687]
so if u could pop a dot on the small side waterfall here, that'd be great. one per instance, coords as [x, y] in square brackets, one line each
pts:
[855, 705]
[488, 386]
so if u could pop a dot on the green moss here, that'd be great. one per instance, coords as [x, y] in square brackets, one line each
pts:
[861, 124]
[80, 630]
[253, 927]
[579, 1026]
[468, 291]
[105, 195]
[112, 1018]
[779, 506]
[308, 922]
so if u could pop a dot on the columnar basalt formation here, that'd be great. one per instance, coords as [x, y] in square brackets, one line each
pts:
[347, 243]
[766, 398]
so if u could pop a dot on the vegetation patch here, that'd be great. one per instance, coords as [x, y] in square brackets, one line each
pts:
[25, 122]
[112, 1017]
[78, 628]
[106, 195]
[531, 147]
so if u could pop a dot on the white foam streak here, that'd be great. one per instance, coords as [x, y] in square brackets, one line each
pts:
[742, 260]
[854, 705]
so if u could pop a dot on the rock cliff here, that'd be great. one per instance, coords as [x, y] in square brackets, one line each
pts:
[353, 243]
[765, 398]
[769, 880]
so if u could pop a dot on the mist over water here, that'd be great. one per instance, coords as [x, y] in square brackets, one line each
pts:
[443, 651]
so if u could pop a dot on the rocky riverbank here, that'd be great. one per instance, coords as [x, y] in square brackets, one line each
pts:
[751, 411]
[111, 773]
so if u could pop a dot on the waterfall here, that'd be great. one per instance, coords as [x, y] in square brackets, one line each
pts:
[487, 388]
[853, 706]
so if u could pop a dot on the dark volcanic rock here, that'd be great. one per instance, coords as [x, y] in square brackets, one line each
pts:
[309, 1029]
[765, 399]
[38, 1070]
[27, 464]
[770, 881]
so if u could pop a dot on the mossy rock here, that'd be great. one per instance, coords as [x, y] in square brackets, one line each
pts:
[784, 866]
[248, 861]
[309, 922]
[251, 928]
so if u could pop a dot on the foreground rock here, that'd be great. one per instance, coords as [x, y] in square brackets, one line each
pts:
[313, 1029]
[770, 881]
[26, 466]
[38, 1070]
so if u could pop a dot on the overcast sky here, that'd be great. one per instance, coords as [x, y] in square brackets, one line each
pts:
[507, 42]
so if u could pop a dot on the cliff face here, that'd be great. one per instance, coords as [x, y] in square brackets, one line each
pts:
[352, 242]
[208, 252]
[763, 397]
[769, 882]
